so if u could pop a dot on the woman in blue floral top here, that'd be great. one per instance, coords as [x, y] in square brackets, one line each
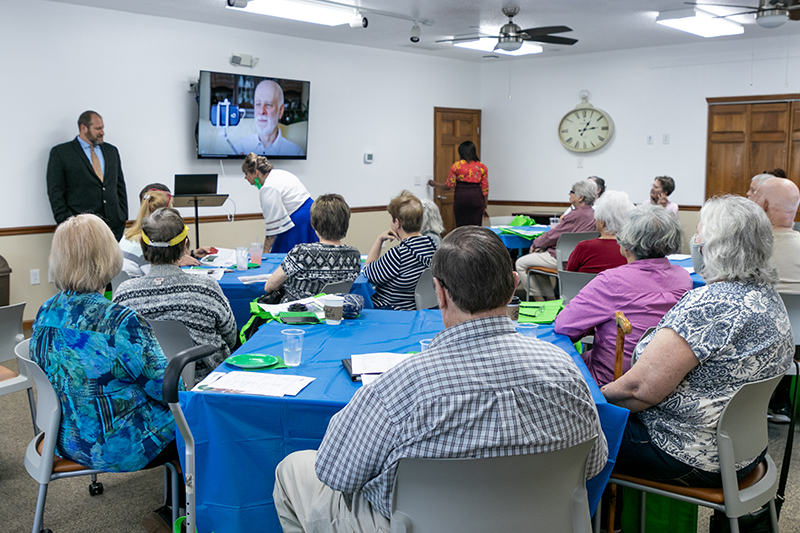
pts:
[716, 339]
[102, 358]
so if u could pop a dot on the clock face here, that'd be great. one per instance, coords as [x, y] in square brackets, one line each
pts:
[585, 129]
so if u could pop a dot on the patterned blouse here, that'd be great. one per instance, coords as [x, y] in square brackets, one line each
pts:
[475, 172]
[309, 267]
[740, 333]
[107, 369]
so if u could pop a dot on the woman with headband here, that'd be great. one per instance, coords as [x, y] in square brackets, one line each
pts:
[134, 264]
[168, 293]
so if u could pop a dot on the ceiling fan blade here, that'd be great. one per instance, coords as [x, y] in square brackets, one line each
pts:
[737, 14]
[544, 30]
[464, 39]
[551, 39]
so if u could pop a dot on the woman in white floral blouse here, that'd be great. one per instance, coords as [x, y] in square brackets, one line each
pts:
[717, 338]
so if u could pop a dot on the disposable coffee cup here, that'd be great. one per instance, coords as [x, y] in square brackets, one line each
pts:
[255, 252]
[241, 258]
[513, 309]
[333, 310]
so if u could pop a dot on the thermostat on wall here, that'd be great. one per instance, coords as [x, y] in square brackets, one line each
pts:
[367, 158]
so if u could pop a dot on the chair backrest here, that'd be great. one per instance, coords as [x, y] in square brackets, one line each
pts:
[10, 329]
[424, 293]
[742, 434]
[567, 243]
[792, 303]
[339, 286]
[48, 417]
[572, 282]
[796, 226]
[634, 357]
[174, 338]
[119, 278]
[535, 492]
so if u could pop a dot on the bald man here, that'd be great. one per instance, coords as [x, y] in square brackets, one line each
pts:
[268, 108]
[779, 198]
[756, 181]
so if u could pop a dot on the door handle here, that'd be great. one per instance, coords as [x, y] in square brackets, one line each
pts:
[440, 197]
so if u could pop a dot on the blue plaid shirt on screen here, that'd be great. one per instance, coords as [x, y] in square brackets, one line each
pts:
[480, 390]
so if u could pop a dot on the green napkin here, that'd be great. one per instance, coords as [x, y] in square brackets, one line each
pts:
[540, 312]
[522, 220]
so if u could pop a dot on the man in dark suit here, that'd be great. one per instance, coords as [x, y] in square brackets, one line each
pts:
[85, 176]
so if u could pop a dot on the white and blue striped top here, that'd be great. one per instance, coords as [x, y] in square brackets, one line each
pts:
[395, 273]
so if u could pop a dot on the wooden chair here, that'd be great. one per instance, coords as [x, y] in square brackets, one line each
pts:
[564, 247]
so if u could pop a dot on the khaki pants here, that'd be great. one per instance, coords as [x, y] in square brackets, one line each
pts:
[305, 504]
[541, 285]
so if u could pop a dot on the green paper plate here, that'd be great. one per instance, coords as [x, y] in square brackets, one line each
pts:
[252, 360]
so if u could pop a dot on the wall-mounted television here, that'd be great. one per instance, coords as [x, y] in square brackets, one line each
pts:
[241, 114]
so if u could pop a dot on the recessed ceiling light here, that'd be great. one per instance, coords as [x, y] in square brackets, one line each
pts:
[301, 11]
[699, 22]
[487, 44]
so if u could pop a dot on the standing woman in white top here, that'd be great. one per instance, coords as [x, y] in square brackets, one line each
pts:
[285, 202]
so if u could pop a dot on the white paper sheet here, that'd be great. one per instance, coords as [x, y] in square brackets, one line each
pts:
[215, 273]
[315, 305]
[366, 379]
[678, 257]
[376, 363]
[250, 280]
[225, 257]
[255, 383]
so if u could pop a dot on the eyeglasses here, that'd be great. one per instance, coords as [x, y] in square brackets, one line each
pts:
[572, 192]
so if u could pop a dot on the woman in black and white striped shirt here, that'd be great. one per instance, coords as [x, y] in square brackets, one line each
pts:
[395, 274]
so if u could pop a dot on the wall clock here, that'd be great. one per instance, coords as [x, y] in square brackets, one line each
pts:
[585, 128]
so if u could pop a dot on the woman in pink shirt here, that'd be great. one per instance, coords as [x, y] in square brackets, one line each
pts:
[644, 289]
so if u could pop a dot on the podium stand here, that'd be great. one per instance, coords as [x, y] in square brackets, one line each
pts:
[197, 200]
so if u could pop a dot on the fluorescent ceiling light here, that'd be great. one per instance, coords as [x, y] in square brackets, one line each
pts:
[302, 11]
[699, 22]
[487, 44]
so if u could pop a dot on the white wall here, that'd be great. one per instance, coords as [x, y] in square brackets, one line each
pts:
[650, 91]
[58, 60]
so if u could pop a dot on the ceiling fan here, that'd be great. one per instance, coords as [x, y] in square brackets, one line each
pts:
[769, 13]
[511, 36]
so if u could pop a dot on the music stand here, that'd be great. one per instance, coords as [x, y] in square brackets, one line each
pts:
[206, 198]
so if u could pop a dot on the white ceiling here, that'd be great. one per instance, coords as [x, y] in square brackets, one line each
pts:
[599, 25]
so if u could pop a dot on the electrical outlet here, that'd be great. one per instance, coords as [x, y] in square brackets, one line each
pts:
[35, 276]
[580, 162]
[665, 138]
[417, 180]
[50, 278]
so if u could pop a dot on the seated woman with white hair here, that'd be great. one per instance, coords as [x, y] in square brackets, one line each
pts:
[432, 224]
[644, 289]
[719, 337]
[543, 249]
[595, 255]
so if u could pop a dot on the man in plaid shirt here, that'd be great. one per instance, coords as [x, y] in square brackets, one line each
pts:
[480, 390]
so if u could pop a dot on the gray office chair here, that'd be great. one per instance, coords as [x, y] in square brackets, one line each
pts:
[741, 435]
[174, 338]
[501, 221]
[564, 247]
[41, 460]
[535, 492]
[118, 279]
[792, 303]
[11, 335]
[424, 293]
[338, 287]
[572, 282]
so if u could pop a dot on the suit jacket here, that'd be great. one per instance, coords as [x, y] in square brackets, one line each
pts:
[73, 187]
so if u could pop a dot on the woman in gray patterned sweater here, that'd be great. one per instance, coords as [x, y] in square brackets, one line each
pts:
[308, 267]
[168, 293]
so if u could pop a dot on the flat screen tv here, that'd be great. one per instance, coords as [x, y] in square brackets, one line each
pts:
[241, 114]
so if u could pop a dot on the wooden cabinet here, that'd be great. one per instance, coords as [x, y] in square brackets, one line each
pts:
[749, 136]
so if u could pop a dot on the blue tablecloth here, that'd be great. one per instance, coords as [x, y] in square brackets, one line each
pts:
[241, 439]
[697, 279]
[513, 242]
[240, 295]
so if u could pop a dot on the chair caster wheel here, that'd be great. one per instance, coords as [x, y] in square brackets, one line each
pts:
[46, 531]
[95, 488]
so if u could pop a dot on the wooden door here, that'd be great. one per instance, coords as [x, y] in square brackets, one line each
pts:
[727, 150]
[769, 137]
[451, 127]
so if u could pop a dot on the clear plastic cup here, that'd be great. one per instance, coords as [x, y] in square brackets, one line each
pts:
[292, 346]
[255, 252]
[423, 344]
[241, 258]
[554, 222]
[528, 330]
